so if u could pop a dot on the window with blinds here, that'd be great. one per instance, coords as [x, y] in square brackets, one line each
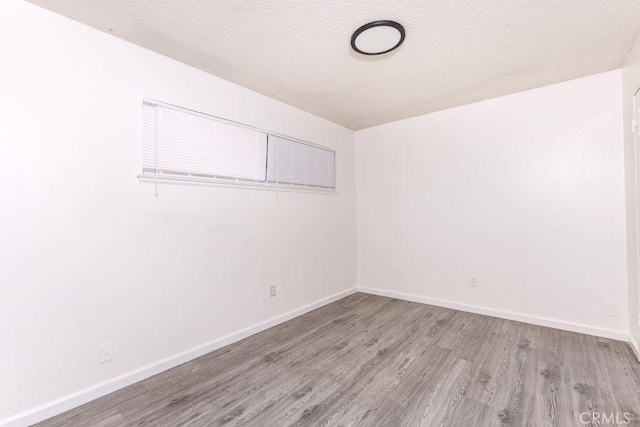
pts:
[183, 145]
[298, 164]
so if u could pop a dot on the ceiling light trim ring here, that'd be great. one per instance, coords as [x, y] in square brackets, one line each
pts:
[381, 23]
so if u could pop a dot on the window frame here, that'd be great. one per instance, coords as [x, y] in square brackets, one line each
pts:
[159, 178]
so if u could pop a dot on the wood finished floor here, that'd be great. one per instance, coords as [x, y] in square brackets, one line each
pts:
[369, 360]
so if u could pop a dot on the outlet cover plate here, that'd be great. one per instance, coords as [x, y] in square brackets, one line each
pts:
[106, 352]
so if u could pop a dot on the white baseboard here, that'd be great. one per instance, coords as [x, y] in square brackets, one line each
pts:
[634, 346]
[525, 318]
[88, 394]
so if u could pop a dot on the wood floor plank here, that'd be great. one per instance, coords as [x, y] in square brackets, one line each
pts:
[552, 399]
[371, 361]
[515, 396]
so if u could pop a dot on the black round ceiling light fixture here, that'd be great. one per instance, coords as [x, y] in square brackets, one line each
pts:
[377, 37]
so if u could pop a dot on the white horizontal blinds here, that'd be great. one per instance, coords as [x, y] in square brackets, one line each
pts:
[300, 164]
[148, 138]
[279, 148]
[332, 169]
[311, 170]
[241, 153]
[326, 169]
[178, 143]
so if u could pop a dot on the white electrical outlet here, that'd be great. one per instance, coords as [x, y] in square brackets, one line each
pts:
[474, 281]
[273, 291]
[612, 310]
[106, 352]
[400, 272]
[638, 321]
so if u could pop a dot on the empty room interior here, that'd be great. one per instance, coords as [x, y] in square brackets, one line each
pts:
[319, 213]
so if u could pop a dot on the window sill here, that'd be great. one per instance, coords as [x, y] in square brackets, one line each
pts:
[151, 179]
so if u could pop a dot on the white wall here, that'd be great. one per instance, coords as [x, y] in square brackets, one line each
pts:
[89, 255]
[525, 191]
[631, 83]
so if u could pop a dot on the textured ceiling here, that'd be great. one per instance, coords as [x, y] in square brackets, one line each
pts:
[298, 51]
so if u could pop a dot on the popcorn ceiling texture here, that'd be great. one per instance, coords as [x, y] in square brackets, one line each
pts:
[456, 52]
